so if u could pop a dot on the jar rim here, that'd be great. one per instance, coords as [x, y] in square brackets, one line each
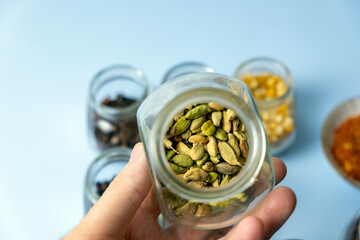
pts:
[254, 161]
[204, 67]
[132, 73]
[288, 81]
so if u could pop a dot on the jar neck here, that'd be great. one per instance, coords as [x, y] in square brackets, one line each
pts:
[256, 135]
[117, 73]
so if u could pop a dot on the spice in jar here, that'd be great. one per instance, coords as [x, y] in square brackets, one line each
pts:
[278, 121]
[122, 133]
[206, 146]
[346, 148]
[102, 186]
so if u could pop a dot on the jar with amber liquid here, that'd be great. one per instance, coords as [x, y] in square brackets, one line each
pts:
[271, 84]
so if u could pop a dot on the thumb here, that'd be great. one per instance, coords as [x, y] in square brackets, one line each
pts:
[112, 214]
[250, 227]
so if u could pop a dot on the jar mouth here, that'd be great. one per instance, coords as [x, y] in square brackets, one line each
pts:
[285, 74]
[121, 72]
[257, 145]
[107, 157]
[186, 68]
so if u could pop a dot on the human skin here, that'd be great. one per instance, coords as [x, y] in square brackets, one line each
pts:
[129, 210]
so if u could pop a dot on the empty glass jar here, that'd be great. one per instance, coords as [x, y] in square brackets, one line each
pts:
[115, 94]
[271, 84]
[225, 204]
[186, 68]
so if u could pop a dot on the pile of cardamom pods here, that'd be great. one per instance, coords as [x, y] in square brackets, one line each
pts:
[206, 145]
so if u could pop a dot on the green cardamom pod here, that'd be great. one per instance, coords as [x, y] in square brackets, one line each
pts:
[197, 184]
[170, 154]
[244, 146]
[213, 176]
[208, 128]
[226, 123]
[216, 118]
[216, 183]
[177, 169]
[167, 143]
[182, 148]
[203, 210]
[198, 111]
[216, 159]
[196, 123]
[198, 139]
[225, 180]
[216, 106]
[186, 210]
[220, 134]
[226, 168]
[201, 161]
[234, 143]
[197, 151]
[212, 147]
[230, 114]
[196, 174]
[183, 160]
[227, 153]
[208, 166]
[236, 124]
[180, 126]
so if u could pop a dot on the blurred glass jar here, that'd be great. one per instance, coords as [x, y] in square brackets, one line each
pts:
[101, 172]
[352, 231]
[228, 203]
[186, 68]
[271, 84]
[115, 94]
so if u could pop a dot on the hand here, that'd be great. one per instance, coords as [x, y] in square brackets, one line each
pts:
[128, 210]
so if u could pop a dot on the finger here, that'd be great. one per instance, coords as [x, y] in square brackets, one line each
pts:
[280, 170]
[179, 232]
[113, 212]
[147, 217]
[150, 204]
[275, 209]
[250, 227]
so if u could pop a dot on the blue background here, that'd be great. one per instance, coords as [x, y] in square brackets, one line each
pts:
[50, 50]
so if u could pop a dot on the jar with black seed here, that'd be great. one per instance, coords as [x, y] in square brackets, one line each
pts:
[206, 149]
[101, 172]
[115, 94]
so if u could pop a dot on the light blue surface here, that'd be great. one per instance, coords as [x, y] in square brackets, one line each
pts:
[49, 52]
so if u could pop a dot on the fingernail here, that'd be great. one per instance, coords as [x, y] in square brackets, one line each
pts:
[136, 152]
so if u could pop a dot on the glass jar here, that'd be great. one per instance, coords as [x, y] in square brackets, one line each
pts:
[115, 94]
[101, 172]
[271, 83]
[231, 202]
[186, 68]
[352, 231]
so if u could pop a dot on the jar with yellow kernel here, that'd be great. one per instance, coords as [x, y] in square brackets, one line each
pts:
[271, 84]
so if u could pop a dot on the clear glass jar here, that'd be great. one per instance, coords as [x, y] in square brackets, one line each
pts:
[101, 172]
[115, 94]
[186, 68]
[352, 230]
[277, 112]
[232, 201]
